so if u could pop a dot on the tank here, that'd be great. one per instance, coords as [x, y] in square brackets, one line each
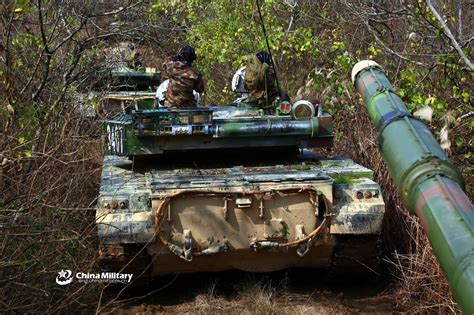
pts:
[430, 186]
[232, 187]
[128, 90]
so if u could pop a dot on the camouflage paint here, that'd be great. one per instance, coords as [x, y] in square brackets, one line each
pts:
[268, 128]
[355, 215]
[129, 200]
[429, 185]
[156, 131]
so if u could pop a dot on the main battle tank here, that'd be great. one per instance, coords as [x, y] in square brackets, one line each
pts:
[233, 187]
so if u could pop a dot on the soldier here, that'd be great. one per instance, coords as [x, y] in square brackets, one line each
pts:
[260, 82]
[183, 79]
[122, 57]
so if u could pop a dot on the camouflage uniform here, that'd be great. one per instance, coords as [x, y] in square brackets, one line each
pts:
[260, 82]
[123, 56]
[183, 80]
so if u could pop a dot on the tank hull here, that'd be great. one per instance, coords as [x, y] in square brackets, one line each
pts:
[249, 216]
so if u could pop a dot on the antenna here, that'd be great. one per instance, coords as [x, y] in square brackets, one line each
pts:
[268, 47]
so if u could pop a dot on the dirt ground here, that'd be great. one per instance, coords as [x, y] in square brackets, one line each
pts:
[296, 291]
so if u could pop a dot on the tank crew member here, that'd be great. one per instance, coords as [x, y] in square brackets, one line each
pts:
[183, 79]
[260, 82]
[124, 56]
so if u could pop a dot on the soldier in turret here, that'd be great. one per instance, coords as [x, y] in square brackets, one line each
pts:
[260, 82]
[123, 56]
[183, 79]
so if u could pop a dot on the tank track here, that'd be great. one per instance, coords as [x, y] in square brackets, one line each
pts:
[356, 257]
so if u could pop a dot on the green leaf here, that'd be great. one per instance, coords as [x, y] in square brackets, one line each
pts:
[465, 96]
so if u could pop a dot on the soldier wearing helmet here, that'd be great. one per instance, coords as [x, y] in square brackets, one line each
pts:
[183, 79]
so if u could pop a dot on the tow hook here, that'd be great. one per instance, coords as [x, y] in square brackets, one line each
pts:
[304, 248]
[188, 245]
[185, 252]
[300, 234]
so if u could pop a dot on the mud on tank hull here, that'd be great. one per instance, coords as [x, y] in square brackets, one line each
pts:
[306, 213]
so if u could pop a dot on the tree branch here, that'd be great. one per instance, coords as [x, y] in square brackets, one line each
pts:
[448, 33]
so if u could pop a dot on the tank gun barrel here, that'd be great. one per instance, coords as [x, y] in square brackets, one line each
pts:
[430, 186]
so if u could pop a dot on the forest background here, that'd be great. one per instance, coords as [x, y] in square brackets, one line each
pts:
[52, 51]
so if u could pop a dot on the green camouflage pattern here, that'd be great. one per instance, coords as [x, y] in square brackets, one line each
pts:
[430, 185]
[156, 131]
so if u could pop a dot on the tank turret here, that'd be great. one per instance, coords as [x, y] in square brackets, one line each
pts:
[429, 185]
[155, 131]
[130, 90]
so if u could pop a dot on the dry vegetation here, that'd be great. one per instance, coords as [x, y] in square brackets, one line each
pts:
[50, 158]
[275, 293]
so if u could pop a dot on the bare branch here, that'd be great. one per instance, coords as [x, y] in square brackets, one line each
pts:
[450, 35]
